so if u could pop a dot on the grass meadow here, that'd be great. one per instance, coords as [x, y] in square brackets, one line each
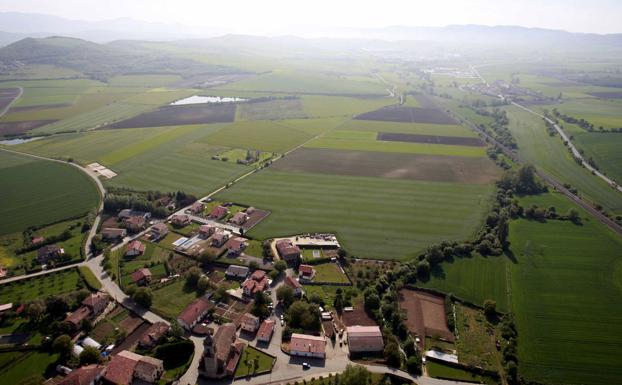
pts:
[51, 192]
[373, 217]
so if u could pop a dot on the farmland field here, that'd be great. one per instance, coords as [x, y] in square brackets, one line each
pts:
[549, 154]
[605, 149]
[407, 128]
[181, 115]
[390, 165]
[400, 217]
[367, 141]
[407, 115]
[166, 159]
[68, 192]
[271, 110]
[566, 296]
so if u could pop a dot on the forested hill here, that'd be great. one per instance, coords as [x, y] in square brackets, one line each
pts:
[100, 61]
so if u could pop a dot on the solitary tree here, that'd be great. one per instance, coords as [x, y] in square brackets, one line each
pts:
[143, 297]
[89, 355]
[63, 345]
[490, 309]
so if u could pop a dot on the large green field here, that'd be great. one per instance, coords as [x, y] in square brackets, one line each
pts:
[564, 290]
[166, 159]
[549, 154]
[38, 192]
[373, 217]
[605, 149]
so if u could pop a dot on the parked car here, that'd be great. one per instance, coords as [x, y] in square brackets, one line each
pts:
[305, 366]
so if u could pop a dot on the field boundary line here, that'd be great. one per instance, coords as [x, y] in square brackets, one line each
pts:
[6, 109]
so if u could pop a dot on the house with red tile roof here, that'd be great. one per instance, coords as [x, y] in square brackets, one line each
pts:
[206, 231]
[135, 224]
[127, 366]
[85, 375]
[304, 345]
[365, 339]
[266, 330]
[257, 282]
[288, 251]
[236, 246]
[194, 312]
[197, 208]
[96, 302]
[295, 285]
[77, 317]
[239, 218]
[222, 352]
[159, 231]
[153, 335]
[113, 233]
[49, 252]
[218, 212]
[141, 276]
[249, 323]
[135, 248]
[307, 272]
[219, 238]
[180, 220]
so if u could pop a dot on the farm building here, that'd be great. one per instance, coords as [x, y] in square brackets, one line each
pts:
[180, 220]
[197, 208]
[76, 318]
[295, 285]
[236, 272]
[153, 335]
[257, 282]
[113, 233]
[218, 212]
[85, 375]
[47, 253]
[365, 339]
[141, 276]
[222, 352]
[304, 345]
[96, 303]
[159, 231]
[288, 251]
[135, 248]
[126, 367]
[236, 246]
[194, 312]
[307, 272]
[249, 323]
[239, 218]
[265, 331]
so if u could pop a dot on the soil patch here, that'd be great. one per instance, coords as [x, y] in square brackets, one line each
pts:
[407, 115]
[357, 317]
[432, 139]
[606, 95]
[390, 165]
[181, 115]
[13, 128]
[133, 338]
[425, 314]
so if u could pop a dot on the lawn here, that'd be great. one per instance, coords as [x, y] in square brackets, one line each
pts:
[437, 370]
[26, 364]
[373, 217]
[60, 282]
[252, 362]
[476, 345]
[68, 192]
[329, 272]
[90, 278]
[170, 300]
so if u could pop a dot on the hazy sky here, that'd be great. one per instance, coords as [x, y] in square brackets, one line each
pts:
[257, 16]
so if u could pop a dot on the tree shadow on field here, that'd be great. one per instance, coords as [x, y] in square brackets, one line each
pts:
[437, 272]
[511, 256]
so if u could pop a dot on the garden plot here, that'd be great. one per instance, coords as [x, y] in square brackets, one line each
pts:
[425, 314]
